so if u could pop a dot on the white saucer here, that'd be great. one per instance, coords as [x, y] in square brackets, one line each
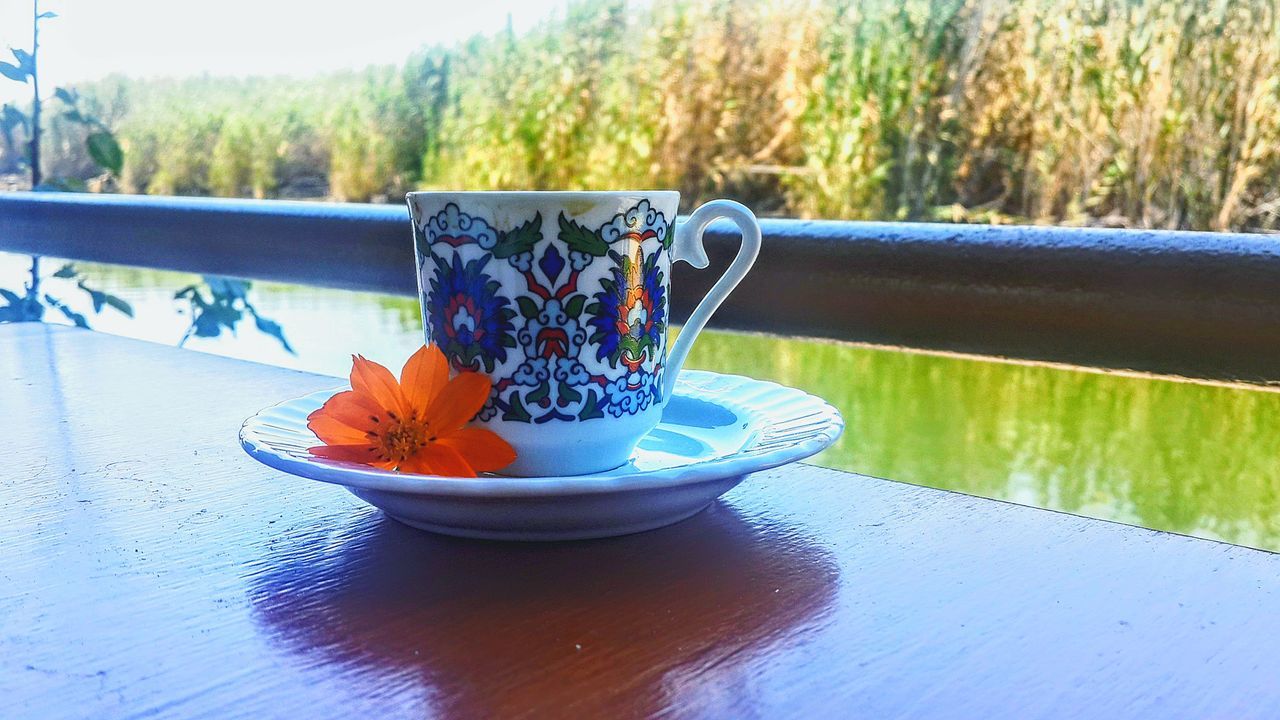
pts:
[715, 430]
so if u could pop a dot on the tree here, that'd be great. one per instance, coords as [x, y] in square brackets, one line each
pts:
[102, 146]
[228, 300]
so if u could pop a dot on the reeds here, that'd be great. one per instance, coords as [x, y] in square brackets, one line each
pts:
[1156, 113]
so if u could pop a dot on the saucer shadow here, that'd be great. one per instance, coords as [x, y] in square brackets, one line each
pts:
[629, 626]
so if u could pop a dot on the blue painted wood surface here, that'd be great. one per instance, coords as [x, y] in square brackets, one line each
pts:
[148, 568]
[1187, 303]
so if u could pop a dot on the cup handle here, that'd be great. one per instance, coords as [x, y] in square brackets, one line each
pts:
[689, 248]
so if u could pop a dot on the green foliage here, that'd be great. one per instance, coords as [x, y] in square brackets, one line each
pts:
[96, 137]
[361, 155]
[246, 156]
[20, 308]
[11, 118]
[101, 146]
[519, 240]
[528, 307]
[1154, 114]
[76, 318]
[227, 300]
[573, 306]
[12, 72]
[99, 141]
[581, 239]
[105, 151]
[591, 409]
[30, 305]
[24, 70]
[219, 305]
[102, 299]
[516, 411]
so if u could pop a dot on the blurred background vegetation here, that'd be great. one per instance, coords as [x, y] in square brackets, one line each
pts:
[1152, 113]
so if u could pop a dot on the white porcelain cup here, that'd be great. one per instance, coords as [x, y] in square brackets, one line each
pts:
[563, 299]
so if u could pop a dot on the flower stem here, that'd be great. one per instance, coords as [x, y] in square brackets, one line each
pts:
[36, 176]
[34, 287]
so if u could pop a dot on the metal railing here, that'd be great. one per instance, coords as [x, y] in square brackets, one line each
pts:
[1200, 304]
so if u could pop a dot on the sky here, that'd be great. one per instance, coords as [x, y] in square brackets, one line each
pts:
[150, 38]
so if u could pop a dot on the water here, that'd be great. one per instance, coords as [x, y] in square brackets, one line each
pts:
[1167, 454]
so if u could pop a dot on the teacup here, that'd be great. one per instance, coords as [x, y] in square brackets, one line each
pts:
[563, 300]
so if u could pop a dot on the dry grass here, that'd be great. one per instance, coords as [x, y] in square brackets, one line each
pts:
[1161, 113]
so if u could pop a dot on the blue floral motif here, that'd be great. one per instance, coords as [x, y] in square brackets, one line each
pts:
[552, 342]
[470, 321]
[490, 409]
[522, 261]
[454, 227]
[532, 372]
[629, 315]
[571, 372]
[631, 393]
[586, 346]
[552, 264]
[638, 224]
[579, 260]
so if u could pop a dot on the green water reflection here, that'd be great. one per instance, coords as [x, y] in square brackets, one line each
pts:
[1164, 454]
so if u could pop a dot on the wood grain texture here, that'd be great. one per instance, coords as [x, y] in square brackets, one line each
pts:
[148, 568]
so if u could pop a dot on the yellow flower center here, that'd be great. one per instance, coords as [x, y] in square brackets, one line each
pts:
[403, 438]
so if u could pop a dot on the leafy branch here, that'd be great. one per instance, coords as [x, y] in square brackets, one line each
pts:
[220, 305]
[519, 240]
[581, 239]
[100, 142]
[26, 69]
[30, 306]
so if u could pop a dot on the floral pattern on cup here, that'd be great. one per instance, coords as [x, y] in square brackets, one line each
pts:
[591, 345]
[471, 320]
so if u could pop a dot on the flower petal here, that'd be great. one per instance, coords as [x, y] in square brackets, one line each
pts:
[437, 459]
[358, 410]
[331, 431]
[377, 381]
[483, 449]
[423, 377]
[458, 402]
[364, 453]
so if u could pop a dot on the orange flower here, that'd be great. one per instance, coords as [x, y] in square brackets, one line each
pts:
[416, 425]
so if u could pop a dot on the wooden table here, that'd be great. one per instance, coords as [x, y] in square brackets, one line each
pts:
[149, 568]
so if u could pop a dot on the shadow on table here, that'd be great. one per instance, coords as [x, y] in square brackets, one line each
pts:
[619, 627]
